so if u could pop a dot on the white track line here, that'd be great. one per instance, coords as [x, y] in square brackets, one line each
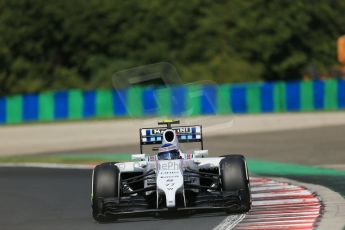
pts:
[281, 226]
[288, 201]
[230, 222]
[282, 194]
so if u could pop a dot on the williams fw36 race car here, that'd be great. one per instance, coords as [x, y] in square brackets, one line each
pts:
[171, 180]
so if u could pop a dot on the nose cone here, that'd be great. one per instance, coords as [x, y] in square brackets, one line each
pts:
[170, 179]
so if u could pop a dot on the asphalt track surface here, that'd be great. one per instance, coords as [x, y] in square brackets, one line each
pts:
[35, 199]
[32, 198]
[61, 201]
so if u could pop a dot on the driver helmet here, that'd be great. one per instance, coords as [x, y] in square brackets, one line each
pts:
[168, 152]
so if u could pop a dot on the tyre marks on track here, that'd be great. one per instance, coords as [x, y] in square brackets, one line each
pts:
[280, 205]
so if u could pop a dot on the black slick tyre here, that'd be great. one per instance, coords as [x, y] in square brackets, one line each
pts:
[234, 177]
[104, 185]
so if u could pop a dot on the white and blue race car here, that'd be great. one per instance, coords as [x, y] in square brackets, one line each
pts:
[171, 180]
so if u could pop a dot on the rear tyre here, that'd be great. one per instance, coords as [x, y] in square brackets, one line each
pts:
[104, 185]
[234, 177]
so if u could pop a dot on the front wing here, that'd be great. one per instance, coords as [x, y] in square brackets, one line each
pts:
[133, 206]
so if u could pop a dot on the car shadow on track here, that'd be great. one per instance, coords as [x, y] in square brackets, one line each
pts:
[159, 218]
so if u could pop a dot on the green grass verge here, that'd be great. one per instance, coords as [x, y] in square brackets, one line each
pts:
[277, 168]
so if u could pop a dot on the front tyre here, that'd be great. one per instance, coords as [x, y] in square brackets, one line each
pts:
[234, 177]
[104, 185]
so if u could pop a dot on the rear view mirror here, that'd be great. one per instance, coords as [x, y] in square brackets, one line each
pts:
[138, 157]
[200, 153]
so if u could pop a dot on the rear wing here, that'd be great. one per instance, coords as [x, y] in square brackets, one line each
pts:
[153, 136]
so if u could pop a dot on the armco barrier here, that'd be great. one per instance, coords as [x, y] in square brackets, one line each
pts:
[185, 100]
